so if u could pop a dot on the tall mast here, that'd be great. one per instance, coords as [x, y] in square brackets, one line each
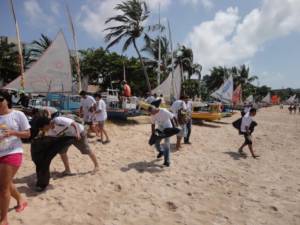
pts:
[75, 47]
[172, 57]
[19, 45]
[159, 48]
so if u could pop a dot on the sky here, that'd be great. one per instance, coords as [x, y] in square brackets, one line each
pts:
[263, 34]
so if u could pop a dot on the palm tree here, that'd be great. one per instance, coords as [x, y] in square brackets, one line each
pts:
[184, 58]
[130, 27]
[39, 47]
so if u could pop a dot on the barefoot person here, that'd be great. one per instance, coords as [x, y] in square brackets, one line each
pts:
[13, 126]
[101, 117]
[179, 109]
[87, 109]
[62, 126]
[189, 109]
[164, 119]
[246, 130]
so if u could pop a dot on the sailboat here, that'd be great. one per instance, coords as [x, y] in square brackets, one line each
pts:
[51, 76]
[225, 92]
[267, 99]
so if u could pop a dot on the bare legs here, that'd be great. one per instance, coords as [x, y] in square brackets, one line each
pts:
[65, 160]
[101, 131]
[7, 189]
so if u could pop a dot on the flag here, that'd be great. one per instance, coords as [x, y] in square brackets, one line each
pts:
[237, 95]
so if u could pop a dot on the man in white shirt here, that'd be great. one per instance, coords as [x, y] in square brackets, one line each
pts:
[189, 110]
[247, 128]
[87, 109]
[178, 108]
[62, 126]
[164, 119]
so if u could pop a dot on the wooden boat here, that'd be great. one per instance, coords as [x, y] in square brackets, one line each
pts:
[208, 116]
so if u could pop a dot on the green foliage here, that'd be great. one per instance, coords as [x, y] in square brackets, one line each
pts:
[9, 66]
[191, 88]
[133, 14]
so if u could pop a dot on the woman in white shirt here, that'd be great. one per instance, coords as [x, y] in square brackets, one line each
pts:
[13, 126]
[101, 117]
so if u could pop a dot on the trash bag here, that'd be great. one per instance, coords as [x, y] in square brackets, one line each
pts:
[158, 135]
[43, 150]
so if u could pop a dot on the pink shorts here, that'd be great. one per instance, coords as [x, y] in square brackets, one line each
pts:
[12, 160]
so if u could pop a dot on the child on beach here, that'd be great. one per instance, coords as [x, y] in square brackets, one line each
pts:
[247, 129]
[101, 117]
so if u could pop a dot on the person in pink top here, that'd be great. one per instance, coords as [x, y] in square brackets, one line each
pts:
[13, 126]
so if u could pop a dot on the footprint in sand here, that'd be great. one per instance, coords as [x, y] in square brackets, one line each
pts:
[118, 188]
[171, 206]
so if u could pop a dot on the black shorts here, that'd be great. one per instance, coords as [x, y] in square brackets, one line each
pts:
[248, 139]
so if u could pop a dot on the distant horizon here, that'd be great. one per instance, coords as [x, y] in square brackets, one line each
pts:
[262, 34]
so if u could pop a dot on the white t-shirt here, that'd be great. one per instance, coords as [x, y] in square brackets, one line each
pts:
[86, 104]
[178, 104]
[63, 127]
[15, 120]
[162, 119]
[101, 116]
[246, 122]
[150, 99]
[189, 106]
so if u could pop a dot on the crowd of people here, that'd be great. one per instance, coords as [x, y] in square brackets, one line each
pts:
[52, 135]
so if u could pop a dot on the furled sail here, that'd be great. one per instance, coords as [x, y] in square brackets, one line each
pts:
[171, 86]
[225, 92]
[51, 73]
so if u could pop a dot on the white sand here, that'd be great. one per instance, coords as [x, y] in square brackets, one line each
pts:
[207, 182]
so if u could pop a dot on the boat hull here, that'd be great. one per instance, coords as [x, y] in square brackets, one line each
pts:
[208, 116]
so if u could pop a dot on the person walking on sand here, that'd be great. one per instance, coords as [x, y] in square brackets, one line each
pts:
[164, 119]
[62, 126]
[189, 110]
[87, 109]
[247, 128]
[13, 126]
[101, 117]
[179, 108]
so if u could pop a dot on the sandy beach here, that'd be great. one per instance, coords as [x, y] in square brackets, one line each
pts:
[207, 183]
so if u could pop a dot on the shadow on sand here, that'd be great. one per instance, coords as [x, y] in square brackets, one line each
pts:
[141, 167]
[205, 124]
[235, 155]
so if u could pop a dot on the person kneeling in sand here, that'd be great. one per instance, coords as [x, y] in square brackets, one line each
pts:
[62, 126]
[247, 129]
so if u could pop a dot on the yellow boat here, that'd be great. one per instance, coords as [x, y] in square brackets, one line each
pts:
[209, 116]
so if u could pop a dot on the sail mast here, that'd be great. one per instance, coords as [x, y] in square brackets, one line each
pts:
[75, 47]
[159, 48]
[172, 57]
[19, 45]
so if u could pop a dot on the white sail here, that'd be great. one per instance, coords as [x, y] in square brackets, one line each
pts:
[171, 86]
[51, 73]
[250, 99]
[225, 92]
[292, 99]
[267, 98]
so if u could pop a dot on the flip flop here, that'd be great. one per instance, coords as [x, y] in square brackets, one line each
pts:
[21, 207]
[67, 174]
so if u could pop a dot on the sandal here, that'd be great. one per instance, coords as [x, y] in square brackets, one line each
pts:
[21, 207]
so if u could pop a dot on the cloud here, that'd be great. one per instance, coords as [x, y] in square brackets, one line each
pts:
[229, 39]
[36, 14]
[208, 4]
[94, 14]
[55, 8]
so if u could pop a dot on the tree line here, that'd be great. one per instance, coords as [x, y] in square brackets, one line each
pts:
[104, 68]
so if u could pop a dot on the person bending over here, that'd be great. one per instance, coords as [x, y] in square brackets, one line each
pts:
[62, 126]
